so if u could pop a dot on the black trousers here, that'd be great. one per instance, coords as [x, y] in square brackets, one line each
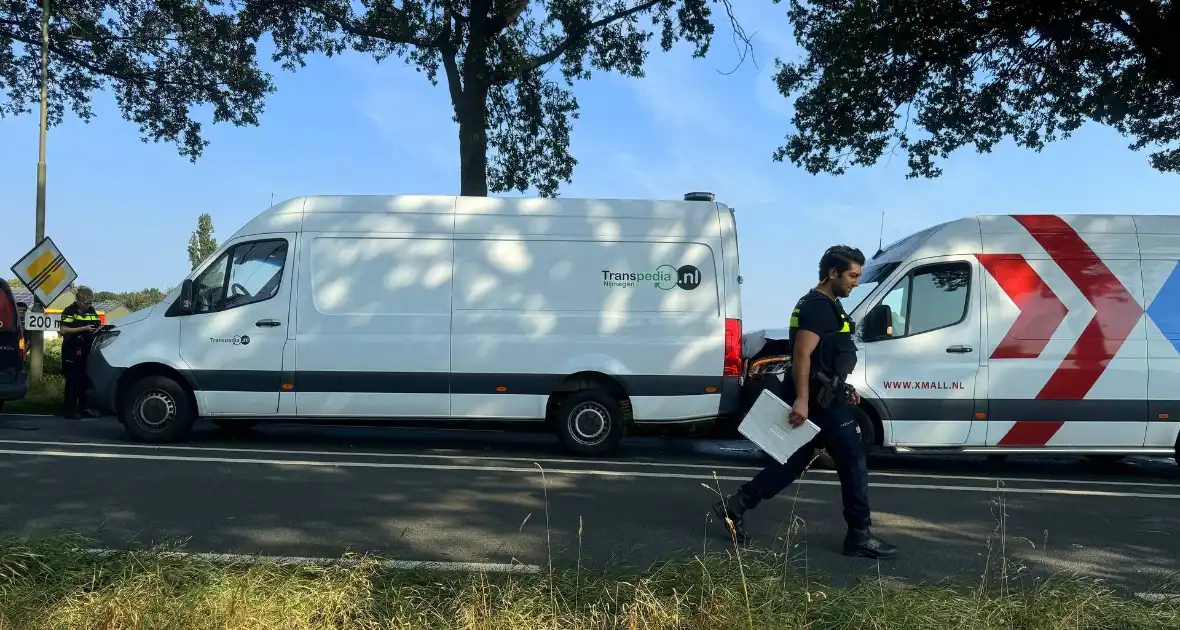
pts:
[838, 436]
[73, 368]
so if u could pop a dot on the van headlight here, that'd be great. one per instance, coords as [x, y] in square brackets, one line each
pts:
[103, 340]
[769, 366]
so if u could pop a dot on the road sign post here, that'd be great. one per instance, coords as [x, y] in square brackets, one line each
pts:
[37, 351]
[47, 274]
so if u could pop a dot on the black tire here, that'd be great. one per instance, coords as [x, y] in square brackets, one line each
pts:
[590, 422]
[234, 426]
[157, 409]
[866, 429]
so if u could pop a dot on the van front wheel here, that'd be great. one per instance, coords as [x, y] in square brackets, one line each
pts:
[590, 422]
[157, 409]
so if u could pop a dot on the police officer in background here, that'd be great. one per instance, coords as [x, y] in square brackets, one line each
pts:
[79, 321]
[823, 354]
[22, 308]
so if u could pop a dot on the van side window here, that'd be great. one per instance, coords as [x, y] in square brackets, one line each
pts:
[248, 273]
[209, 287]
[929, 298]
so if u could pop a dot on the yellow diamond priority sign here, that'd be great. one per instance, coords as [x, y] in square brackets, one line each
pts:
[45, 271]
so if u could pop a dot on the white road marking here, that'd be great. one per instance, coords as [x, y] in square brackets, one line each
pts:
[569, 471]
[26, 415]
[586, 462]
[485, 567]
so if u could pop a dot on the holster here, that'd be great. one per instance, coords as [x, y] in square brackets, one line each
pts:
[830, 390]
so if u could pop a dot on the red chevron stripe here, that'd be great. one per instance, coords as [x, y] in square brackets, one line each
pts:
[1116, 313]
[1041, 312]
[1030, 433]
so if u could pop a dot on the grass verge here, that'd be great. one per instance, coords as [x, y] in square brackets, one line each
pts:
[54, 583]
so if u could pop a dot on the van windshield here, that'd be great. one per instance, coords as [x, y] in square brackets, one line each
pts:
[872, 276]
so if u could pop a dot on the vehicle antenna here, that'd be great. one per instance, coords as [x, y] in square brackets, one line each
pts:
[881, 236]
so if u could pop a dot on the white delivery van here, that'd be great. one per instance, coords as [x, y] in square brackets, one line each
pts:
[589, 314]
[1017, 334]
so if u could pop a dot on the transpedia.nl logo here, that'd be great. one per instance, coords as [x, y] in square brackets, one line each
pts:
[665, 278]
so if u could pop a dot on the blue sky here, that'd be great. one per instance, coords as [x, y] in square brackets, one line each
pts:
[122, 210]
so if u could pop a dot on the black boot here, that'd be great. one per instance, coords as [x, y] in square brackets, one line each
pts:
[734, 507]
[862, 542]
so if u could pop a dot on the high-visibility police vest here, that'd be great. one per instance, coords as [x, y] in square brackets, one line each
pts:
[836, 353]
[73, 317]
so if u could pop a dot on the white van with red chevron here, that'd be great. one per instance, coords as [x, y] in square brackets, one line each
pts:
[1020, 334]
[586, 314]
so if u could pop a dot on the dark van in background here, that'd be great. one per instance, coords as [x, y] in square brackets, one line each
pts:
[14, 382]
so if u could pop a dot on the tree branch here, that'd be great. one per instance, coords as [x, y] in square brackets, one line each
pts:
[578, 34]
[508, 16]
[1141, 36]
[351, 27]
[449, 54]
[107, 72]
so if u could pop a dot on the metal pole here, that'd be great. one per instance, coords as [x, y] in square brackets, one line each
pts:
[37, 355]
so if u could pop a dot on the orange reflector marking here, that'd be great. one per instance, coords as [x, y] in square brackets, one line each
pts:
[979, 415]
[288, 386]
[501, 388]
[710, 389]
[1163, 416]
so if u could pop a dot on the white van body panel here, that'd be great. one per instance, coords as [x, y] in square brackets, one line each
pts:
[453, 307]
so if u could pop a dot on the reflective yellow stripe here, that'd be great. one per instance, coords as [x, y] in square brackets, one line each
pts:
[846, 328]
[794, 322]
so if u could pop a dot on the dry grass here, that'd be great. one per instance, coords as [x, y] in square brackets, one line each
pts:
[52, 584]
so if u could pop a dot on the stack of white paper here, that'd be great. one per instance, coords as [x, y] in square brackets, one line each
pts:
[766, 425]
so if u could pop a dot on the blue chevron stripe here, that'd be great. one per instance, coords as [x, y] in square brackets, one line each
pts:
[1165, 308]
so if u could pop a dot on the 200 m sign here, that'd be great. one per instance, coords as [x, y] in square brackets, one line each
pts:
[42, 321]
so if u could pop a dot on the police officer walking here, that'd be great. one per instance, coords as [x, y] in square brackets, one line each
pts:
[79, 321]
[822, 355]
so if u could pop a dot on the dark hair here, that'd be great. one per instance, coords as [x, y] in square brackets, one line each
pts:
[841, 257]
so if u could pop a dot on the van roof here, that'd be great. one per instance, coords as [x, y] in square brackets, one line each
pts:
[963, 235]
[289, 214]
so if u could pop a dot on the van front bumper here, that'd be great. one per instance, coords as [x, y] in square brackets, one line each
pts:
[104, 384]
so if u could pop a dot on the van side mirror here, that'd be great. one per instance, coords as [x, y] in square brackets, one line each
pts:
[184, 301]
[878, 323]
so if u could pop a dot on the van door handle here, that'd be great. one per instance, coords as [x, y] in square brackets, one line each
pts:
[959, 349]
[267, 323]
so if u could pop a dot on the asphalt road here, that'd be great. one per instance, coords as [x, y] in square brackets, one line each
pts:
[497, 497]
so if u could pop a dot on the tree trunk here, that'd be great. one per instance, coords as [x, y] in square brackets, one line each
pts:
[473, 143]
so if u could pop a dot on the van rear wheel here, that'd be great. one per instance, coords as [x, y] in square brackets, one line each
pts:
[157, 409]
[590, 422]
